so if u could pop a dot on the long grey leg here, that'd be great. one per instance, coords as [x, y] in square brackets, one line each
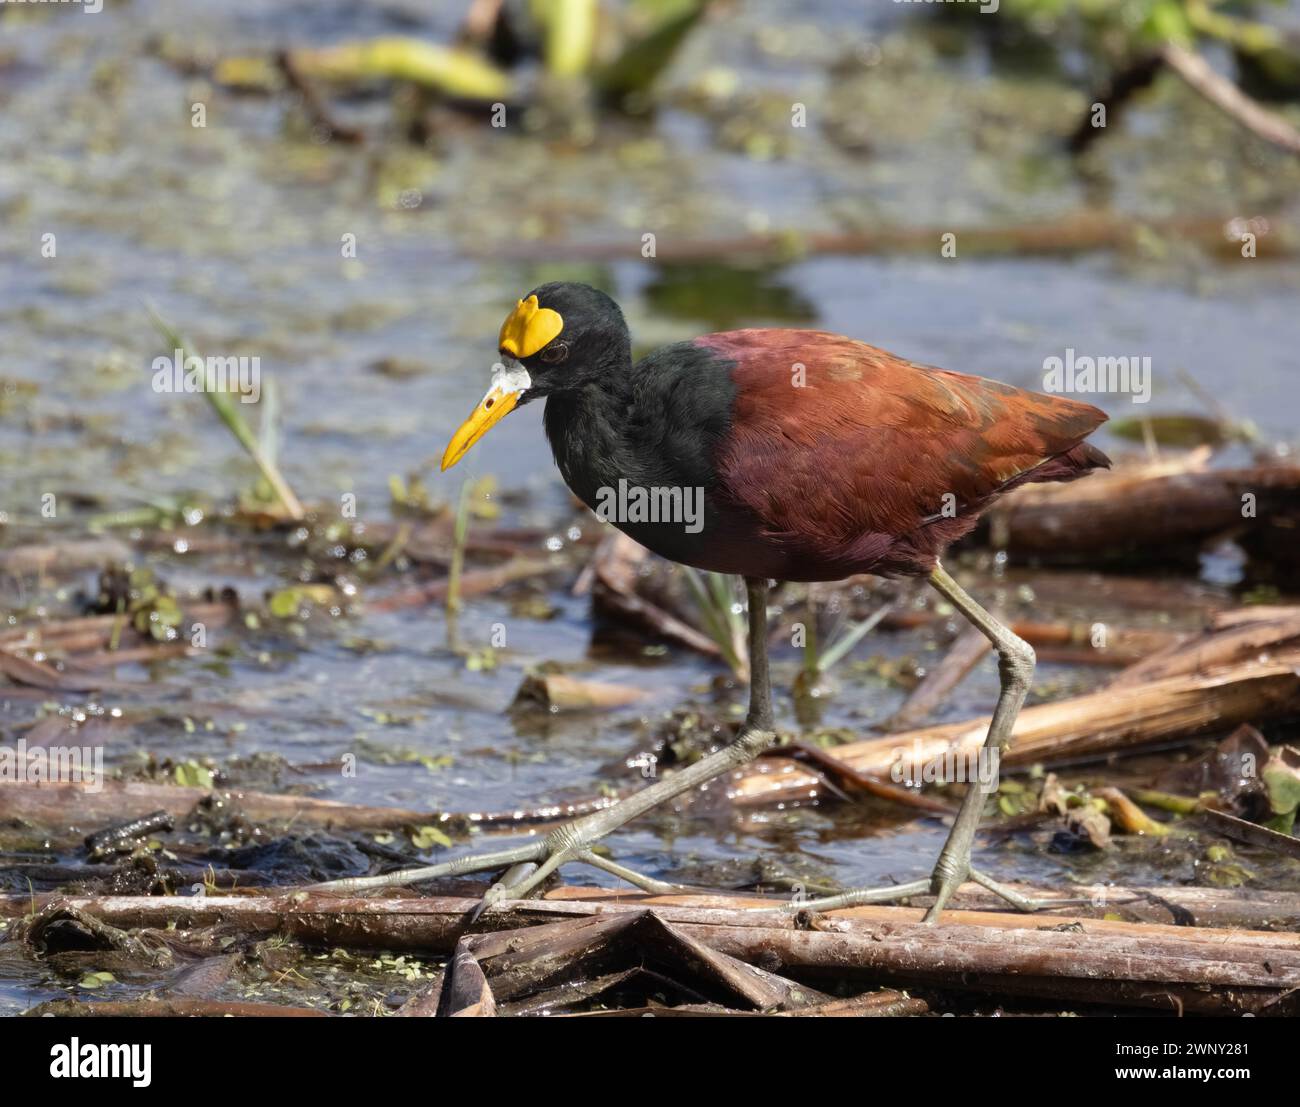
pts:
[760, 676]
[1016, 671]
[571, 841]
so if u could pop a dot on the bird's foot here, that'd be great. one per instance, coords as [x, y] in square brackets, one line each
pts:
[522, 879]
[529, 864]
[526, 867]
[941, 885]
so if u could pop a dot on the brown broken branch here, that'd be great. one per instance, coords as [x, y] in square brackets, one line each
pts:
[153, 1007]
[1111, 720]
[61, 804]
[1141, 511]
[95, 632]
[475, 582]
[1066, 958]
[1233, 637]
[1071, 233]
[937, 684]
[1229, 99]
[563, 693]
[1239, 830]
[850, 780]
[615, 567]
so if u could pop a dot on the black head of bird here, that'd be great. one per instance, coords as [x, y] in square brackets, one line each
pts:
[560, 337]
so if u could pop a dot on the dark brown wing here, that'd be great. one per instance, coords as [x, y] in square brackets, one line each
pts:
[859, 461]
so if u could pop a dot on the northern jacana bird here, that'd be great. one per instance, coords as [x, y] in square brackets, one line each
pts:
[816, 457]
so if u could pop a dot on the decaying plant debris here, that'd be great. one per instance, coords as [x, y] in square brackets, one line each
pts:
[727, 955]
[247, 944]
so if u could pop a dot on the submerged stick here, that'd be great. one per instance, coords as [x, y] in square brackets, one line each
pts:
[316, 106]
[473, 582]
[1239, 830]
[63, 557]
[53, 804]
[126, 835]
[937, 684]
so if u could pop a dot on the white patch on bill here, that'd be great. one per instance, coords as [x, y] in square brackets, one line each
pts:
[510, 377]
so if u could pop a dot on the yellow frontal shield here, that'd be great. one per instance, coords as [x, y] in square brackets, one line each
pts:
[528, 328]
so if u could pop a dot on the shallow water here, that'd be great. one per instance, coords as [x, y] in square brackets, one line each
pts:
[234, 232]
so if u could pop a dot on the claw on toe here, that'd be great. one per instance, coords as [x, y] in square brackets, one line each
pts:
[491, 898]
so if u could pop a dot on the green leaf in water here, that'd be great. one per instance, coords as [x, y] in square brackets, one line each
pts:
[570, 34]
[426, 837]
[285, 603]
[97, 979]
[648, 54]
[1283, 783]
[190, 774]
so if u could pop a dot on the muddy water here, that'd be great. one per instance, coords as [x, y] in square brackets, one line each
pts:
[234, 231]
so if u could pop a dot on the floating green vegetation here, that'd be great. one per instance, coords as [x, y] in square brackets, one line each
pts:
[193, 774]
[1133, 23]
[447, 69]
[1281, 776]
[426, 837]
[1182, 431]
[378, 753]
[141, 600]
[289, 603]
[409, 495]
[615, 53]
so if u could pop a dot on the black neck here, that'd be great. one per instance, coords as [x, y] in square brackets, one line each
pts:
[582, 425]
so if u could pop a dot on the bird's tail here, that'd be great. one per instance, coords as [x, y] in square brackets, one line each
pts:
[1078, 461]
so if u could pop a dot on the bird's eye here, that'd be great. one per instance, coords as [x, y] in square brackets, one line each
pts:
[555, 353]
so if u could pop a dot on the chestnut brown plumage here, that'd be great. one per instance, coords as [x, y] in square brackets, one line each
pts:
[815, 456]
[853, 460]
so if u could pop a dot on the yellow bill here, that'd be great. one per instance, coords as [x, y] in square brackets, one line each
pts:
[508, 384]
